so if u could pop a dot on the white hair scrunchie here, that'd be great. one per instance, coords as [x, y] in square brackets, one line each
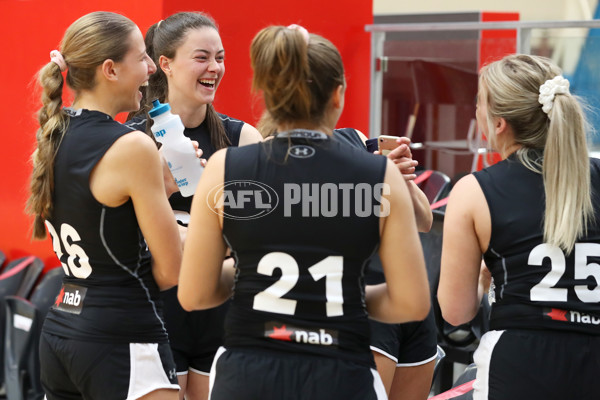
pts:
[552, 87]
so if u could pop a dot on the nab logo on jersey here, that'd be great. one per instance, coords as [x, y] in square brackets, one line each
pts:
[70, 299]
[576, 317]
[288, 333]
[242, 199]
[301, 151]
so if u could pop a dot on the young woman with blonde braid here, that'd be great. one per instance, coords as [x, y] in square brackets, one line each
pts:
[99, 188]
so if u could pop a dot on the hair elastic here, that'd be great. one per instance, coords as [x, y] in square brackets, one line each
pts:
[58, 59]
[302, 30]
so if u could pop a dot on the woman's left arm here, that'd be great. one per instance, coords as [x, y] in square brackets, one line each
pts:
[467, 230]
[249, 135]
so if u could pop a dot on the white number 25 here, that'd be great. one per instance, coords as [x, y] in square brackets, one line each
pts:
[546, 290]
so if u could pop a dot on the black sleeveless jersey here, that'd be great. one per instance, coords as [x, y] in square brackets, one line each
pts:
[233, 129]
[301, 216]
[108, 293]
[538, 286]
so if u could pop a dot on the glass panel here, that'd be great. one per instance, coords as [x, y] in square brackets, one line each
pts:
[430, 86]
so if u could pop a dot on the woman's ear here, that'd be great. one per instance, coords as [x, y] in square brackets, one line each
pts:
[337, 99]
[500, 125]
[109, 70]
[163, 62]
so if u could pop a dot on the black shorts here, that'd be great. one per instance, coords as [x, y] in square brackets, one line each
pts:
[409, 344]
[536, 364]
[194, 336]
[74, 369]
[244, 374]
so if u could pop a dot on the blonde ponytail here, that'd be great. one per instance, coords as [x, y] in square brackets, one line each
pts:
[566, 171]
[511, 90]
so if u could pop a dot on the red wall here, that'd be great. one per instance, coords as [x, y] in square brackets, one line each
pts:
[32, 28]
[342, 22]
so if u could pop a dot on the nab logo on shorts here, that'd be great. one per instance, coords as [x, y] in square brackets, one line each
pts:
[70, 299]
[301, 151]
[290, 333]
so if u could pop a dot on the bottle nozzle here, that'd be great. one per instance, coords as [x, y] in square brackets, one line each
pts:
[155, 103]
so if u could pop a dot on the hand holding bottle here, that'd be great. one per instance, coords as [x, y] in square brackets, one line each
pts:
[178, 150]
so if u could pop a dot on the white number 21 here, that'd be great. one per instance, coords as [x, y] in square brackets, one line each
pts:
[270, 299]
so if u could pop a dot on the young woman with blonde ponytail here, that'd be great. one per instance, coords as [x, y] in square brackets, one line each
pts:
[291, 209]
[534, 217]
[99, 189]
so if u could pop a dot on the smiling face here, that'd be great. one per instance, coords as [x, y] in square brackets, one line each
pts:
[197, 69]
[135, 69]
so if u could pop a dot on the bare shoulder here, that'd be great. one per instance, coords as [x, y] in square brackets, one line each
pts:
[216, 161]
[132, 158]
[135, 143]
[361, 135]
[249, 135]
[465, 188]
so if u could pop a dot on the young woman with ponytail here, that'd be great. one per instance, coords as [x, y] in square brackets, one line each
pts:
[297, 326]
[534, 218]
[98, 187]
[190, 57]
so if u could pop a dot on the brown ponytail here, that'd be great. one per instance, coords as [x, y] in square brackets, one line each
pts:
[296, 78]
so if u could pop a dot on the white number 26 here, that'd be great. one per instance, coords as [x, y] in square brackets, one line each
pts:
[68, 237]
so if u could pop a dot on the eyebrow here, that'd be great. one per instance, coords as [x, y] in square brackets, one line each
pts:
[208, 52]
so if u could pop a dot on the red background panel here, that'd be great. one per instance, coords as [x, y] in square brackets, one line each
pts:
[32, 28]
[495, 44]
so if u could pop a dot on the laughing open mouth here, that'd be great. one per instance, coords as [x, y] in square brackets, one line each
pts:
[209, 83]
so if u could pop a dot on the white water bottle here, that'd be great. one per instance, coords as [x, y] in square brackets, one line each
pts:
[176, 147]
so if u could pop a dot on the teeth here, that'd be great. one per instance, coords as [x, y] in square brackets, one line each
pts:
[145, 83]
[208, 81]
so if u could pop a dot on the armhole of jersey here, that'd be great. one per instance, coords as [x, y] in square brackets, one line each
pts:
[231, 129]
[482, 178]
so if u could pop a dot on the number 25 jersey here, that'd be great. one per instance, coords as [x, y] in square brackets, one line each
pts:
[537, 285]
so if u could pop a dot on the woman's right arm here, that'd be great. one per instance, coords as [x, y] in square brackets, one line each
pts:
[405, 296]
